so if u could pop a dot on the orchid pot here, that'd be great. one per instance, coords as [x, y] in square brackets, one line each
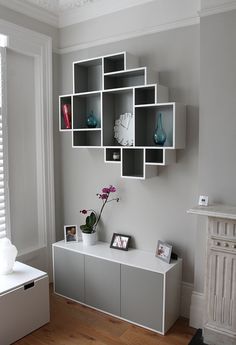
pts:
[89, 239]
[89, 229]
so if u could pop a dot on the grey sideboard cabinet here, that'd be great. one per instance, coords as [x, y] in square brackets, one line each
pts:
[134, 285]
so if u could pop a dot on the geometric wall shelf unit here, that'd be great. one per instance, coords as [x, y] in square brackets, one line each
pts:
[126, 101]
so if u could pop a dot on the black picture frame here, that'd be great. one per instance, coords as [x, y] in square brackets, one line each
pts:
[120, 241]
[163, 251]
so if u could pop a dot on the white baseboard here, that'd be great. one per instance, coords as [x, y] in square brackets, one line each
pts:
[196, 310]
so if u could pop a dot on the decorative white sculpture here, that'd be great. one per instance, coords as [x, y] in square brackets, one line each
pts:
[8, 254]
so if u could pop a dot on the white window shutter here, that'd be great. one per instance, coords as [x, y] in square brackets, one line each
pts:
[4, 189]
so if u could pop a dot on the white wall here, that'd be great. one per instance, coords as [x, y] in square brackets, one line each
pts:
[156, 208]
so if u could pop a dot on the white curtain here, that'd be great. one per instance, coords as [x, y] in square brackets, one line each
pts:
[4, 190]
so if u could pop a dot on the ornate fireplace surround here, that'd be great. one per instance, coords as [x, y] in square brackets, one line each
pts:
[220, 280]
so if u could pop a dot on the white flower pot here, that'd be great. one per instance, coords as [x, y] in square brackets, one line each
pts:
[89, 239]
[8, 254]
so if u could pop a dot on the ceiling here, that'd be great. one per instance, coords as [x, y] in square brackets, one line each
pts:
[61, 13]
[58, 6]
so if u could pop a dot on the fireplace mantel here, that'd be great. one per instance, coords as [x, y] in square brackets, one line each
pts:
[219, 211]
[220, 280]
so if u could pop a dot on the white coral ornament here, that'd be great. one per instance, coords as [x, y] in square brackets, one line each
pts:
[8, 253]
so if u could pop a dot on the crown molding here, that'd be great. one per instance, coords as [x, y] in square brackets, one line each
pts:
[31, 11]
[210, 7]
[68, 12]
[133, 34]
[96, 9]
[72, 12]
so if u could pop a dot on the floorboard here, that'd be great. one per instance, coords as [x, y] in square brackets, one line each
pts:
[75, 324]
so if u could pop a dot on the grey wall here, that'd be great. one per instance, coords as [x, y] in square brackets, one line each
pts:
[156, 208]
[217, 139]
[134, 21]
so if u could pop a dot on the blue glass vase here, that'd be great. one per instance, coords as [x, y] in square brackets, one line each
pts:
[91, 121]
[159, 135]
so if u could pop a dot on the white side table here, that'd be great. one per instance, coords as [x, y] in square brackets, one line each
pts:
[24, 302]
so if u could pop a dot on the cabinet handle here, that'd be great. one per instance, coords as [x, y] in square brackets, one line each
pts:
[233, 245]
[28, 286]
[218, 243]
[226, 244]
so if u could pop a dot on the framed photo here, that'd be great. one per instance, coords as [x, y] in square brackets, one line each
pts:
[120, 241]
[70, 233]
[163, 251]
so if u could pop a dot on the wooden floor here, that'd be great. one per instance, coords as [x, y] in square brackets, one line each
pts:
[74, 324]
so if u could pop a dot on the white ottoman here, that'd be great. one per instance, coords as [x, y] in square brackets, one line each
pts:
[24, 302]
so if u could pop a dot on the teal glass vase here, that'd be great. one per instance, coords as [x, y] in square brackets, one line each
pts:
[159, 135]
[91, 121]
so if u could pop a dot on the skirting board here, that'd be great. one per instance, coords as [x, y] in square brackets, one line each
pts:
[196, 310]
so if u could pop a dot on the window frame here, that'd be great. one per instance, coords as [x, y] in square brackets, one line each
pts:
[3, 81]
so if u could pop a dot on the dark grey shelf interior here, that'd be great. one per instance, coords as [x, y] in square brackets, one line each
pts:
[87, 138]
[88, 76]
[115, 103]
[132, 163]
[154, 156]
[146, 123]
[124, 79]
[114, 63]
[145, 95]
[64, 100]
[83, 105]
[109, 154]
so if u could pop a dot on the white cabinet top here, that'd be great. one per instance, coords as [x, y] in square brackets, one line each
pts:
[22, 274]
[132, 257]
[219, 211]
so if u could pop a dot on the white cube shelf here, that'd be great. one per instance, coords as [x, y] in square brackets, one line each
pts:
[24, 302]
[112, 85]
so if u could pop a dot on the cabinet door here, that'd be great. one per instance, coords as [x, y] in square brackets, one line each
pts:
[102, 284]
[142, 297]
[69, 273]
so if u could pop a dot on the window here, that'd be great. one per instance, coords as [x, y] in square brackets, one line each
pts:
[4, 190]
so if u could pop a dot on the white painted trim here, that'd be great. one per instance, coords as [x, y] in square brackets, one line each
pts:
[39, 47]
[216, 9]
[132, 34]
[197, 310]
[31, 11]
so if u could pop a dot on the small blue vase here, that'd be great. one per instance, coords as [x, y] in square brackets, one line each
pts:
[91, 121]
[159, 135]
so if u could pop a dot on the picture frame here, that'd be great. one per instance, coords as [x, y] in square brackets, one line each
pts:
[163, 251]
[120, 241]
[70, 233]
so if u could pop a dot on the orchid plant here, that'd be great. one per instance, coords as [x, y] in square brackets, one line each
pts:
[93, 219]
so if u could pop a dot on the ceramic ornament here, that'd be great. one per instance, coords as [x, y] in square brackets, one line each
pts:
[8, 253]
